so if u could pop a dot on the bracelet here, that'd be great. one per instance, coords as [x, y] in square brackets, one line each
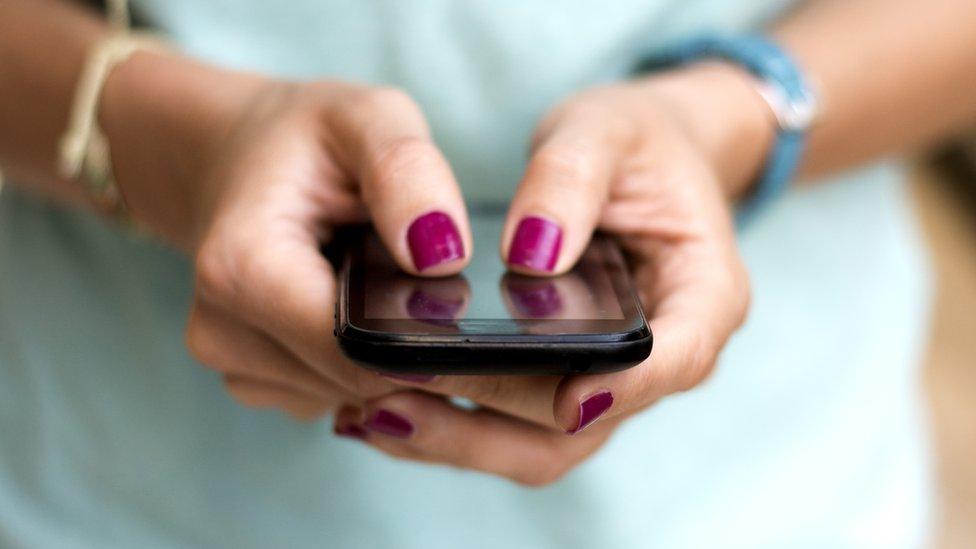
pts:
[84, 150]
[783, 87]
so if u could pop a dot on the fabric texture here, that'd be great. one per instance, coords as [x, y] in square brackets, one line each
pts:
[811, 433]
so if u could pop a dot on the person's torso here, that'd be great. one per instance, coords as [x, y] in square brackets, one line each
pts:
[484, 71]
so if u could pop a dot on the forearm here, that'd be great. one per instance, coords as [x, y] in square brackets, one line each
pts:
[163, 114]
[42, 49]
[166, 117]
[893, 75]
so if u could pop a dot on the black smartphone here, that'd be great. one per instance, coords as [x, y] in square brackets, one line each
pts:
[486, 320]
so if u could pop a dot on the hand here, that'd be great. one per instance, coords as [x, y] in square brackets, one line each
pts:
[645, 162]
[265, 171]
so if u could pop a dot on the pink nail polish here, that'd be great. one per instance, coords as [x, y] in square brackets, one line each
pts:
[433, 238]
[591, 409]
[536, 244]
[390, 424]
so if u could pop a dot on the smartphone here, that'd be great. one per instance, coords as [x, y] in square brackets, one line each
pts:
[487, 320]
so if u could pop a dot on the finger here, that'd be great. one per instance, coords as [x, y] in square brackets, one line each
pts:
[698, 301]
[566, 185]
[274, 278]
[254, 393]
[407, 185]
[348, 423]
[428, 428]
[226, 345]
[529, 398]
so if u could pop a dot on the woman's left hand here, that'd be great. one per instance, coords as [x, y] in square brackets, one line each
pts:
[654, 162]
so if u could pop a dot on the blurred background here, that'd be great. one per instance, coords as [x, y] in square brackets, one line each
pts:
[944, 189]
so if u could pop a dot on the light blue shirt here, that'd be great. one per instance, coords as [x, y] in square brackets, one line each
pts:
[810, 433]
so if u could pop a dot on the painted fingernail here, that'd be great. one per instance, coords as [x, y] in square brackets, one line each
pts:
[411, 378]
[350, 430]
[536, 244]
[390, 423]
[433, 239]
[592, 408]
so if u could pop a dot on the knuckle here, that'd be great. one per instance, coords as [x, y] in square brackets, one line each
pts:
[256, 277]
[403, 155]
[255, 267]
[215, 276]
[698, 366]
[545, 465]
[568, 166]
[483, 389]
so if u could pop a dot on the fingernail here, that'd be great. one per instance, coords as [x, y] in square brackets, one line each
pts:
[434, 239]
[536, 244]
[351, 431]
[390, 423]
[424, 306]
[534, 300]
[412, 378]
[592, 408]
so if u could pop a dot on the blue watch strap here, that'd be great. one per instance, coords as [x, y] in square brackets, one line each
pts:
[775, 67]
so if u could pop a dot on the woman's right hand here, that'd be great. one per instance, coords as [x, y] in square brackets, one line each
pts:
[251, 176]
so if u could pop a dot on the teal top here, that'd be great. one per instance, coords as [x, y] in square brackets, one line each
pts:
[810, 433]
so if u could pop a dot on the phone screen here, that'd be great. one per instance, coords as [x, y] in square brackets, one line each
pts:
[485, 290]
[486, 319]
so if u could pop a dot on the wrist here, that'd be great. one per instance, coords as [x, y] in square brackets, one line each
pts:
[725, 115]
[165, 117]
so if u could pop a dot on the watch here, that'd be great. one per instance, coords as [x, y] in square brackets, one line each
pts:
[782, 85]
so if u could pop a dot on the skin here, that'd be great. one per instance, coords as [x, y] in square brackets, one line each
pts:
[249, 175]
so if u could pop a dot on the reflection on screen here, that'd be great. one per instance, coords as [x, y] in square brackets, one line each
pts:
[485, 290]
